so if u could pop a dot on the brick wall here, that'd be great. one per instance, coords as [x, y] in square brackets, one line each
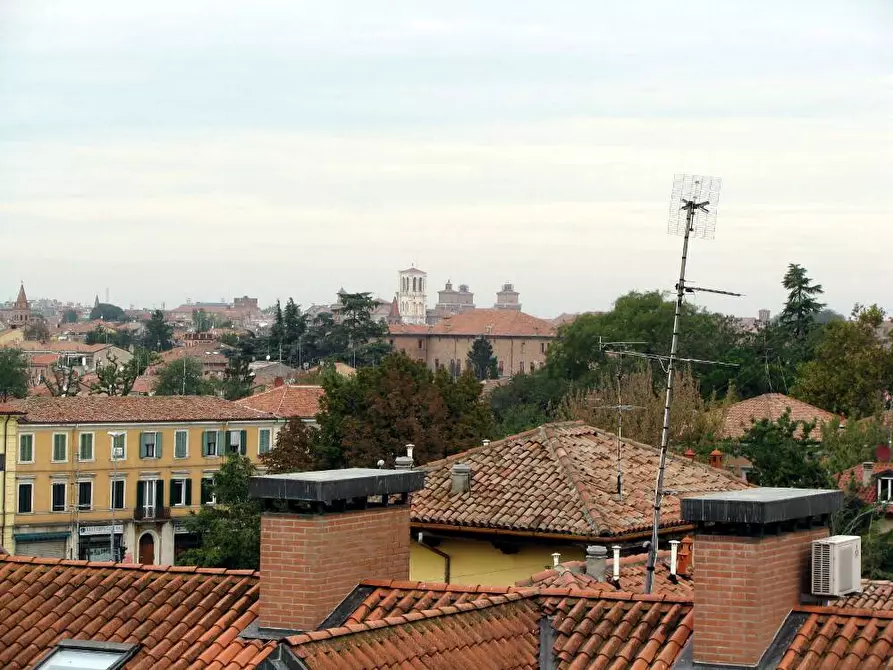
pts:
[744, 589]
[309, 563]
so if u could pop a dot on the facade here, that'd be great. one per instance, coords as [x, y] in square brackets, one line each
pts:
[412, 297]
[507, 298]
[19, 314]
[451, 301]
[85, 468]
[520, 341]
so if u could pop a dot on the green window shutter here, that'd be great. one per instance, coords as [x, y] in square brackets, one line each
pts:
[188, 494]
[143, 445]
[243, 443]
[180, 444]
[140, 494]
[263, 440]
[205, 494]
[158, 445]
[173, 488]
[221, 446]
[159, 494]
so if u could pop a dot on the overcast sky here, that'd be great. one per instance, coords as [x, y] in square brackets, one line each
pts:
[188, 149]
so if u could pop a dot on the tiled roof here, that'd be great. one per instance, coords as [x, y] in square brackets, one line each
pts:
[772, 406]
[877, 594]
[841, 638]
[61, 347]
[135, 409]
[619, 631]
[41, 360]
[499, 633]
[572, 574]
[287, 401]
[851, 479]
[182, 617]
[561, 479]
[474, 322]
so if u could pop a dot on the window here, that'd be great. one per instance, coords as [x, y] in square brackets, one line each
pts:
[521, 367]
[116, 495]
[208, 495]
[263, 440]
[58, 496]
[542, 347]
[26, 448]
[181, 492]
[26, 497]
[149, 494]
[60, 447]
[181, 444]
[885, 490]
[237, 442]
[209, 443]
[88, 654]
[85, 495]
[85, 447]
[119, 447]
[420, 344]
[500, 367]
[436, 364]
[522, 347]
[150, 445]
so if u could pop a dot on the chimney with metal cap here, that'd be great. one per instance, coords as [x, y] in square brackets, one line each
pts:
[460, 475]
[674, 555]
[405, 462]
[867, 472]
[616, 563]
[596, 562]
[716, 459]
[556, 559]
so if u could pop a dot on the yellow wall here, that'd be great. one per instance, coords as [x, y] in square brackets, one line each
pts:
[11, 337]
[102, 469]
[478, 562]
[9, 423]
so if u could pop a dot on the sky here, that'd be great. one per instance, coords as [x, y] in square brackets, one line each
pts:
[168, 150]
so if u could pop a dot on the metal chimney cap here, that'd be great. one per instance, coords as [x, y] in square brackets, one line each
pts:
[596, 550]
[461, 469]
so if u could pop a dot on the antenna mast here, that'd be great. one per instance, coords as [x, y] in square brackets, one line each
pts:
[695, 192]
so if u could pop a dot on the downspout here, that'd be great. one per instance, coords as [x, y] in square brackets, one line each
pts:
[3, 485]
[420, 538]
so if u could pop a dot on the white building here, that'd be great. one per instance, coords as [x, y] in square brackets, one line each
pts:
[412, 296]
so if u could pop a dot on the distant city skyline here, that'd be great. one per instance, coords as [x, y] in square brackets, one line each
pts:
[170, 150]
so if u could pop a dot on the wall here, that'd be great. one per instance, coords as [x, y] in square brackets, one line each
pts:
[9, 498]
[441, 349]
[479, 562]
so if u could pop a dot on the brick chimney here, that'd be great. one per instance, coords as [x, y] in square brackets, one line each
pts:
[323, 532]
[753, 565]
[716, 459]
[690, 454]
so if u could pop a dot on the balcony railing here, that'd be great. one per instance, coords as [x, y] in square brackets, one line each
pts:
[150, 513]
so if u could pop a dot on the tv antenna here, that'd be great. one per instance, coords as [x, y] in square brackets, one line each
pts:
[691, 219]
[620, 408]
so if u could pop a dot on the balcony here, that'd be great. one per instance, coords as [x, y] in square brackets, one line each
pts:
[151, 513]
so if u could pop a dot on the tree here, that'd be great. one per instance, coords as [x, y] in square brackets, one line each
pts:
[238, 379]
[851, 369]
[107, 312]
[783, 454]
[481, 359]
[201, 321]
[183, 377]
[802, 306]
[297, 449]
[844, 446]
[360, 336]
[527, 401]
[230, 529]
[62, 382]
[69, 316]
[277, 332]
[375, 413]
[13, 374]
[158, 335]
[101, 335]
[37, 330]
[114, 378]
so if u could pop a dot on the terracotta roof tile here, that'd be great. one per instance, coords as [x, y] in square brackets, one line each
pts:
[45, 600]
[877, 594]
[287, 401]
[836, 637]
[561, 478]
[740, 416]
[474, 322]
[135, 409]
[850, 480]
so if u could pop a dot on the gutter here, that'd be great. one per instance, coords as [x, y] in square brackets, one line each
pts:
[420, 538]
[606, 539]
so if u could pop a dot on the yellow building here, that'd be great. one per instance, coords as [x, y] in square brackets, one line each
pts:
[86, 469]
[497, 513]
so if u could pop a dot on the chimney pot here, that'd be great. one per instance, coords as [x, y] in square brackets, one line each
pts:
[716, 459]
[460, 475]
[674, 554]
[867, 471]
[616, 563]
[409, 448]
[556, 559]
[596, 562]
[277, 382]
[690, 454]
[485, 442]
[683, 559]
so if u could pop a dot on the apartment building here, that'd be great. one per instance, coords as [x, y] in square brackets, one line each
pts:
[88, 472]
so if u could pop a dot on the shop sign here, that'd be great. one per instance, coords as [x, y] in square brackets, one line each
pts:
[100, 530]
[180, 528]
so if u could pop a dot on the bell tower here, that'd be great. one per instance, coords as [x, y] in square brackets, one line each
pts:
[412, 297]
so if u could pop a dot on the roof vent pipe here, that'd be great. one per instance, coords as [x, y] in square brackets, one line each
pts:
[674, 553]
[596, 562]
[556, 559]
[485, 442]
[867, 471]
[616, 563]
[460, 476]
[409, 448]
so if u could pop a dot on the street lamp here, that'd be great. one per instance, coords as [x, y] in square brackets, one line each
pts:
[116, 453]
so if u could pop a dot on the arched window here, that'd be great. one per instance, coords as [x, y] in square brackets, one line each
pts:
[413, 284]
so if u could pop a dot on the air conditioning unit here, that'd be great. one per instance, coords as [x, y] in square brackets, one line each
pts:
[837, 565]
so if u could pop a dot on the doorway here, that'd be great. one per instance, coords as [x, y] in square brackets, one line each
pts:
[147, 549]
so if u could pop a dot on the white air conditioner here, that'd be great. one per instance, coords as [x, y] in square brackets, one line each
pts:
[837, 565]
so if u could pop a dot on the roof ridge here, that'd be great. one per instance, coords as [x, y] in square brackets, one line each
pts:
[441, 586]
[479, 448]
[567, 468]
[409, 617]
[77, 563]
[861, 612]
[596, 594]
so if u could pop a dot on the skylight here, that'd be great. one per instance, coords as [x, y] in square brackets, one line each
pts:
[87, 655]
